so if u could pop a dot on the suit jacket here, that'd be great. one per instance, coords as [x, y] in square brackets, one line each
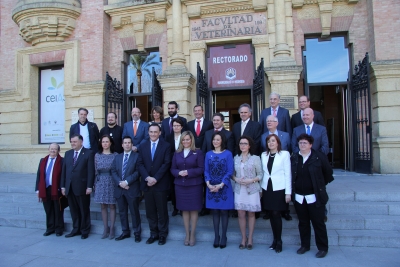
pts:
[207, 125]
[283, 118]
[142, 133]
[321, 142]
[38, 173]
[193, 163]
[93, 134]
[230, 142]
[79, 176]
[253, 130]
[158, 168]
[131, 175]
[296, 119]
[281, 176]
[165, 126]
[283, 136]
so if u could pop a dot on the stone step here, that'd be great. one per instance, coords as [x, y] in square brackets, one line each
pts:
[354, 238]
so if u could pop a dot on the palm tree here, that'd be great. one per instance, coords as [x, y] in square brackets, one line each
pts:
[142, 63]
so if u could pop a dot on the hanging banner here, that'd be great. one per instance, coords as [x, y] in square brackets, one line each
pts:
[52, 106]
[230, 67]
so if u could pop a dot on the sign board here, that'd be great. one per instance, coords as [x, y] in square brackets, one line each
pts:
[52, 106]
[230, 67]
[228, 26]
[287, 102]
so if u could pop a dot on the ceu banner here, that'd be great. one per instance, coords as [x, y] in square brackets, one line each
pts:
[230, 67]
[52, 106]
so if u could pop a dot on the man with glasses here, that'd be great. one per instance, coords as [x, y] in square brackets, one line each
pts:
[272, 126]
[304, 102]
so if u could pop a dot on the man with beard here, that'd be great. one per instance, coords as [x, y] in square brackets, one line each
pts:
[166, 126]
[88, 130]
[114, 131]
[136, 129]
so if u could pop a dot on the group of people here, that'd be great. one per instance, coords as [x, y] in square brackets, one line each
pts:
[199, 166]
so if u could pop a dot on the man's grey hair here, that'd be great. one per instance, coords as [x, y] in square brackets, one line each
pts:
[273, 93]
[245, 105]
[58, 146]
[272, 116]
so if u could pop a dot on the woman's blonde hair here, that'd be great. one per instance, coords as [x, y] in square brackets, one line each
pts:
[192, 146]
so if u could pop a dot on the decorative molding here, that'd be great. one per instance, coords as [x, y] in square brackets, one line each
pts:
[198, 45]
[260, 40]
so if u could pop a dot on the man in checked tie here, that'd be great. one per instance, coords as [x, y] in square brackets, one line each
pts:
[48, 190]
[317, 131]
[127, 189]
[77, 178]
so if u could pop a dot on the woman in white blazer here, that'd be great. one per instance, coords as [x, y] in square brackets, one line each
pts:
[276, 185]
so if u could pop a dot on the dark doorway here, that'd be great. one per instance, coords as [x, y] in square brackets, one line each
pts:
[228, 102]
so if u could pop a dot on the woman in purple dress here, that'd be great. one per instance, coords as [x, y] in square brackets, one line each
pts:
[104, 186]
[188, 168]
[219, 195]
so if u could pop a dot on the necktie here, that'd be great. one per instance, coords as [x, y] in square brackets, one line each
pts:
[153, 150]
[274, 112]
[243, 126]
[48, 171]
[124, 166]
[198, 128]
[308, 130]
[134, 128]
[170, 125]
[75, 158]
[216, 131]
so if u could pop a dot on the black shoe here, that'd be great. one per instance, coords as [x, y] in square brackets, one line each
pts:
[204, 212]
[216, 242]
[47, 233]
[235, 214]
[266, 216]
[151, 239]
[302, 250]
[278, 248]
[59, 234]
[174, 213]
[162, 240]
[72, 234]
[222, 243]
[287, 217]
[84, 236]
[273, 245]
[257, 215]
[138, 238]
[122, 237]
[321, 254]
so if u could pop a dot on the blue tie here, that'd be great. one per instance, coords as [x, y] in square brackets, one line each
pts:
[124, 166]
[153, 150]
[308, 130]
[48, 171]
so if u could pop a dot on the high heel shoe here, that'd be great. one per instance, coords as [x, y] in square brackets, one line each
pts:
[273, 245]
[243, 246]
[192, 241]
[278, 248]
[222, 243]
[106, 233]
[112, 233]
[186, 242]
[216, 242]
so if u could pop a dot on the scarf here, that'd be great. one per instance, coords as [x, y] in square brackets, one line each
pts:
[55, 179]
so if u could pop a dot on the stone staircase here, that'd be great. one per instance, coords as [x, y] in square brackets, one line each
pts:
[368, 216]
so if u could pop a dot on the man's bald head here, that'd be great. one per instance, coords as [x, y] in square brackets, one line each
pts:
[308, 116]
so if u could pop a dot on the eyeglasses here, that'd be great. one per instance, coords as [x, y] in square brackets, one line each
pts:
[304, 143]
[271, 121]
[243, 144]
[177, 126]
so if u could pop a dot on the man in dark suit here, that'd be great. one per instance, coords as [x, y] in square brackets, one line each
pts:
[272, 126]
[88, 130]
[114, 131]
[77, 180]
[48, 190]
[127, 189]
[136, 129]
[166, 125]
[199, 126]
[321, 142]
[246, 127]
[218, 123]
[154, 165]
[277, 111]
[297, 118]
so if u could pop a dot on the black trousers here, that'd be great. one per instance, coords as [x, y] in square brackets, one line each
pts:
[124, 202]
[79, 207]
[157, 212]
[310, 212]
[54, 216]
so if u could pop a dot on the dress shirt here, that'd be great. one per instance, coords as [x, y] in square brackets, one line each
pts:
[309, 198]
[84, 131]
[243, 126]
[137, 124]
[129, 154]
[311, 125]
[177, 141]
[272, 110]
[219, 129]
[201, 124]
[174, 117]
[79, 152]
[186, 152]
[52, 167]
[276, 132]
[151, 144]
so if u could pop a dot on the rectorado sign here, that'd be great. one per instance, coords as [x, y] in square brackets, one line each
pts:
[228, 26]
[230, 67]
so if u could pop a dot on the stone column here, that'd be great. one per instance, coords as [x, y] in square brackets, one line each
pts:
[385, 82]
[178, 57]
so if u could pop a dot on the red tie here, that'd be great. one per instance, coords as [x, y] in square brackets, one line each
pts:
[198, 128]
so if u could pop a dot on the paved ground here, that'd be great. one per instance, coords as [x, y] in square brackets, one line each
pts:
[27, 247]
